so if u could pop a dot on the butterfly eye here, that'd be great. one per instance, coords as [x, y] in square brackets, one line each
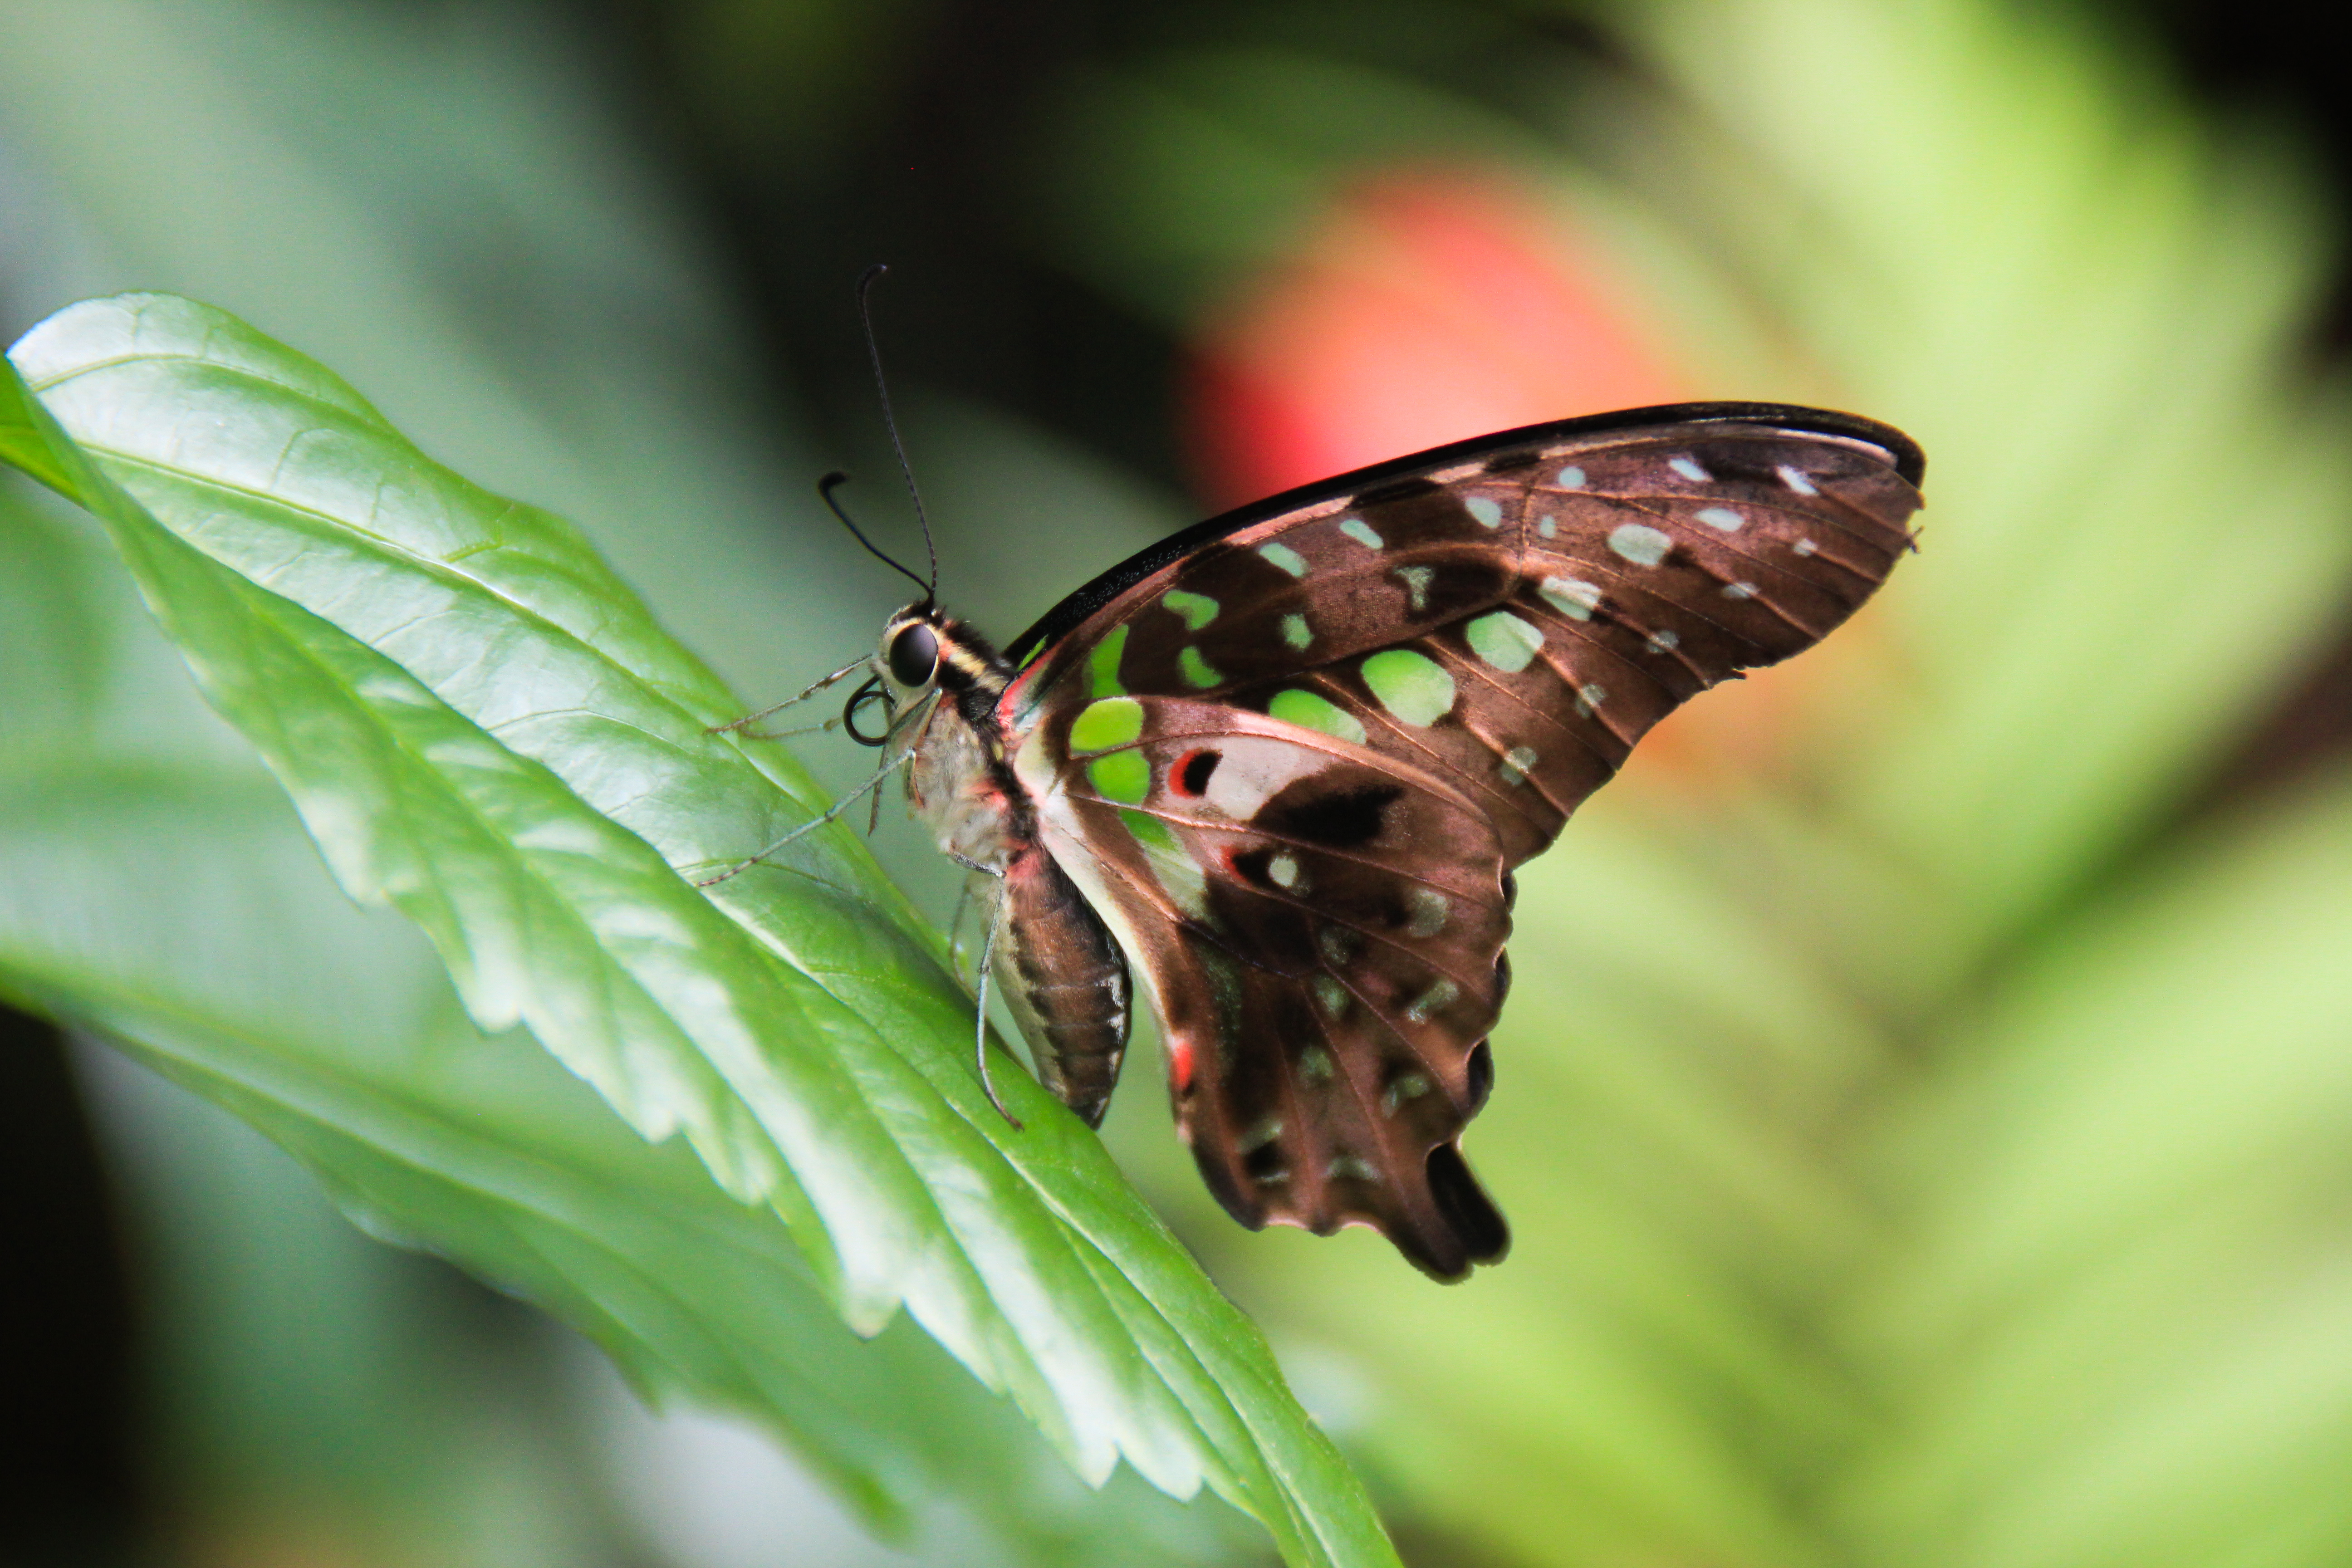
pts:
[914, 656]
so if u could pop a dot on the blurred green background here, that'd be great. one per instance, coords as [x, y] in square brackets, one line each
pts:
[1925, 1110]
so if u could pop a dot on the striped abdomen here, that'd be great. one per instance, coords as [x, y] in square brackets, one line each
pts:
[1065, 980]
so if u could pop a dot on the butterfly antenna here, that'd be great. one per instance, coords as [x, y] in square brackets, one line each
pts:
[874, 351]
[825, 487]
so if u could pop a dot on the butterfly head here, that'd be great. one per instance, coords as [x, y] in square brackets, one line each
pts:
[923, 651]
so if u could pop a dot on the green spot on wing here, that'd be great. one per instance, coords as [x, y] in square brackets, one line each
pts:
[1112, 721]
[1198, 609]
[1154, 835]
[1505, 641]
[1310, 711]
[1409, 685]
[1296, 632]
[1102, 662]
[1123, 777]
[1178, 874]
[1197, 670]
[1287, 558]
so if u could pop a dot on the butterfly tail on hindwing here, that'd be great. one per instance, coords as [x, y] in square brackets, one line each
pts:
[1322, 931]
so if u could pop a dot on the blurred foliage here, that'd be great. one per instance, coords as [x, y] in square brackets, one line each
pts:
[1924, 1106]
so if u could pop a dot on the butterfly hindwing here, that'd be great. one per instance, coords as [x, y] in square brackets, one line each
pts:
[1443, 661]
[1321, 929]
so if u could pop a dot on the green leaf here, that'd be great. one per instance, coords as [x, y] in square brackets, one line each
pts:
[160, 890]
[330, 1030]
[481, 728]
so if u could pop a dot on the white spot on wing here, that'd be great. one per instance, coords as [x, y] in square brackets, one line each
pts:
[1486, 509]
[1570, 478]
[1806, 547]
[1407, 1085]
[1547, 525]
[1431, 911]
[1640, 544]
[1663, 641]
[1740, 590]
[1330, 995]
[1690, 471]
[1441, 994]
[1416, 581]
[1251, 770]
[1721, 518]
[1796, 480]
[1572, 596]
[1516, 765]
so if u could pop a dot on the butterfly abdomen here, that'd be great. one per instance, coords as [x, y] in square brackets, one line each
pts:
[1063, 974]
[1065, 981]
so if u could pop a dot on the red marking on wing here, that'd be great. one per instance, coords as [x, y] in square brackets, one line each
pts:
[1180, 1063]
[1176, 774]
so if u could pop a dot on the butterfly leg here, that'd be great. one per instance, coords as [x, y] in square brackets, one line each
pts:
[987, 954]
[829, 725]
[806, 828]
[963, 899]
[844, 672]
[955, 927]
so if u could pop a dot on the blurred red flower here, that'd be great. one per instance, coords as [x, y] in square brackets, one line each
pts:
[1425, 307]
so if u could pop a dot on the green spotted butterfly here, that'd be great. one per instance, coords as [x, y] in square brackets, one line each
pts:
[1284, 762]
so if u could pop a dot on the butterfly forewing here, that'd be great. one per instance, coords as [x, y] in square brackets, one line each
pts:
[1265, 759]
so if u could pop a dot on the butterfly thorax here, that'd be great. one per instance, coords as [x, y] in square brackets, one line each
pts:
[943, 679]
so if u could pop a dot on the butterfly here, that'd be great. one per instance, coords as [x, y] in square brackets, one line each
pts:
[1284, 764]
